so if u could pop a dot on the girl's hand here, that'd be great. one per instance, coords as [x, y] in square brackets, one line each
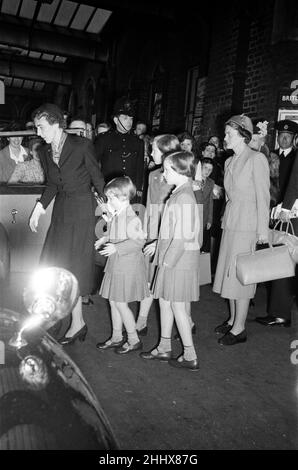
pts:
[109, 249]
[100, 242]
[149, 249]
[208, 226]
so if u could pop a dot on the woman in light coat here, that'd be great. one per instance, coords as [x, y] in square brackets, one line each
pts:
[245, 223]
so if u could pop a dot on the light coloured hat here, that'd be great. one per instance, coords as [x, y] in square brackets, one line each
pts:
[242, 121]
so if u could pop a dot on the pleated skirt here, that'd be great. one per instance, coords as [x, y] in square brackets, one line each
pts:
[125, 286]
[225, 282]
[176, 285]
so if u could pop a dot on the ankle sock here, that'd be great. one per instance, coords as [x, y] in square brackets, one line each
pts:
[132, 338]
[164, 345]
[117, 336]
[189, 353]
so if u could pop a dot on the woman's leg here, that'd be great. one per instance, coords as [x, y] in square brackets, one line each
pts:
[232, 304]
[240, 316]
[77, 320]
[180, 310]
[129, 322]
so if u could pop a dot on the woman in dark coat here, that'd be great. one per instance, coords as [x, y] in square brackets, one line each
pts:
[71, 168]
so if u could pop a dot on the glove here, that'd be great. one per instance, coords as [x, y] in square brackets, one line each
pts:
[37, 212]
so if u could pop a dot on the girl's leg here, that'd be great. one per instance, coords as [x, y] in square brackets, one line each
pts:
[188, 309]
[129, 322]
[77, 320]
[145, 305]
[180, 310]
[240, 316]
[166, 326]
[116, 323]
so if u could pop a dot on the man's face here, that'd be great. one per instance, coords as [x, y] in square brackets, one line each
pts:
[123, 123]
[285, 140]
[46, 130]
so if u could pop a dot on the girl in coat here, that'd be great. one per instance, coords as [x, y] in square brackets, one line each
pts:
[176, 281]
[245, 223]
[158, 192]
[125, 274]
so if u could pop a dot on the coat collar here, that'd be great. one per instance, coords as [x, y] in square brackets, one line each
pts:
[66, 150]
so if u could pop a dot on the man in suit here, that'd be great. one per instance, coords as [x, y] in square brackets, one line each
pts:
[282, 290]
[120, 152]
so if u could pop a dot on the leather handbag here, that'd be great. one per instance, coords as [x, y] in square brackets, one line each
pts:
[277, 237]
[264, 265]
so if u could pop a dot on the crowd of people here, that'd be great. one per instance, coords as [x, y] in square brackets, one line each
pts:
[155, 253]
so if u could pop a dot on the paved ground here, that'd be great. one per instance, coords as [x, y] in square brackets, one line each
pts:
[243, 397]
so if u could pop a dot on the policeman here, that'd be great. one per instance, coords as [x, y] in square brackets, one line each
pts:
[282, 290]
[119, 151]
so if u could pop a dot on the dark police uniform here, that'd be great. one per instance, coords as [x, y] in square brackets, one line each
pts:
[282, 290]
[121, 155]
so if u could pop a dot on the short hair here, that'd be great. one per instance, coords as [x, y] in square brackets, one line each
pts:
[182, 162]
[207, 160]
[243, 132]
[204, 145]
[167, 142]
[51, 113]
[121, 187]
[186, 135]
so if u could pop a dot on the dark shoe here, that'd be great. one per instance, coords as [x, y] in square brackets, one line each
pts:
[229, 339]
[143, 331]
[86, 300]
[160, 356]
[190, 365]
[80, 335]
[223, 328]
[112, 344]
[193, 332]
[127, 348]
[272, 321]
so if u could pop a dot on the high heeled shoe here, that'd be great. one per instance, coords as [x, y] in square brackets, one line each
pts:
[80, 335]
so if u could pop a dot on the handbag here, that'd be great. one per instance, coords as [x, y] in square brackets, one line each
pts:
[264, 265]
[277, 237]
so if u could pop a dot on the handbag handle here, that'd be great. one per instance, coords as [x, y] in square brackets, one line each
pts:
[289, 224]
[253, 247]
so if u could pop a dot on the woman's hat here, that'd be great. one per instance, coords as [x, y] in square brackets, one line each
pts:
[242, 121]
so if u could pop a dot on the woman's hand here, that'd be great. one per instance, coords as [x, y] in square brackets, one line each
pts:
[149, 249]
[208, 226]
[109, 249]
[100, 242]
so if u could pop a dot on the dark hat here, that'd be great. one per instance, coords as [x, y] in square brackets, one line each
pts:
[124, 106]
[242, 121]
[287, 126]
